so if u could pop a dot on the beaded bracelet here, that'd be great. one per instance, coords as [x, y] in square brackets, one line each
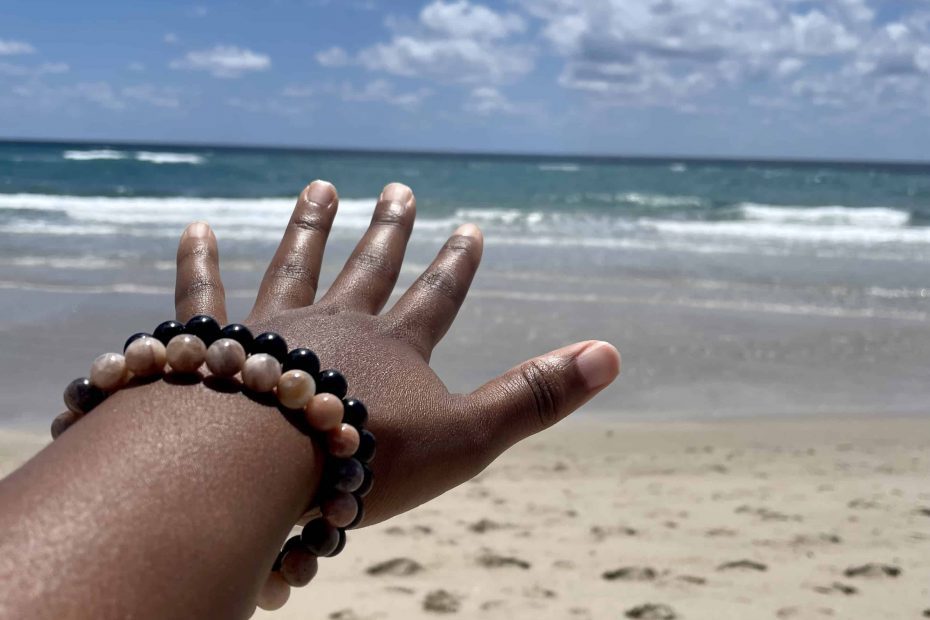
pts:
[265, 366]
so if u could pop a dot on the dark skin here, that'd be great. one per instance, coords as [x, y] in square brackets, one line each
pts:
[172, 500]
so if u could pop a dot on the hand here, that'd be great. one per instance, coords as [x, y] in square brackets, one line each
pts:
[428, 439]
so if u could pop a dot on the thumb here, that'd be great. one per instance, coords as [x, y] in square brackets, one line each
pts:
[539, 392]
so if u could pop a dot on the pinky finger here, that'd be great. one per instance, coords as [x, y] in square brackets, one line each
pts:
[198, 287]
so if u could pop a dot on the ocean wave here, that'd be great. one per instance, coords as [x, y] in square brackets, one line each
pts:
[678, 167]
[869, 217]
[154, 157]
[790, 232]
[661, 201]
[559, 167]
[94, 154]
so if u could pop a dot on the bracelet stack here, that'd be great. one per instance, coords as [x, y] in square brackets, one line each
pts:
[265, 367]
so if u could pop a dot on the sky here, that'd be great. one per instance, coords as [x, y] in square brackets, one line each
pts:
[841, 79]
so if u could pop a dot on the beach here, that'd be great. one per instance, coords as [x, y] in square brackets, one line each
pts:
[764, 518]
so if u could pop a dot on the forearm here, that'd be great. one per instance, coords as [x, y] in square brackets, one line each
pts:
[176, 497]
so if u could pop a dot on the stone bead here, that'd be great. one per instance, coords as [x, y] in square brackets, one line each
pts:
[81, 396]
[320, 537]
[63, 422]
[340, 544]
[261, 372]
[323, 412]
[354, 412]
[367, 446]
[133, 338]
[239, 333]
[274, 592]
[359, 513]
[342, 441]
[204, 327]
[295, 389]
[225, 357]
[109, 372]
[290, 543]
[340, 509]
[303, 359]
[299, 566]
[146, 357]
[332, 382]
[168, 330]
[346, 475]
[367, 482]
[186, 353]
[272, 344]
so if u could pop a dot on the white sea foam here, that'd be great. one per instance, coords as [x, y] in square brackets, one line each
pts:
[559, 167]
[870, 217]
[678, 167]
[93, 155]
[792, 233]
[659, 201]
[170, 158]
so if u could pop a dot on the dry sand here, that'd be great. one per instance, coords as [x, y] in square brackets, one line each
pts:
[795, 518]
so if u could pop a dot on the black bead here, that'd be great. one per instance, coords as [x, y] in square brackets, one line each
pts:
[292, 543]
[358, 515]
[320, 537]
[367, 482]
[204, 327]
[81, 395]
[346, 475]
[332, 382]
[272, 344]
[168, 330]
[354, 412]
[303, 359]
[133, 338]
[239, 333]
[339, 545]
[367, 446]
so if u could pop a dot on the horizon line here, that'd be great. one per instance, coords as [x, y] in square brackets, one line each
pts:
[604, 157]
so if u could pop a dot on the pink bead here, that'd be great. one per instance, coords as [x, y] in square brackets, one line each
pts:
[274, 592]
[299, 566]
[295, 389]
[342, 441]
[109, 372]
[261, 372]
[146, 356]
[324, 412]
[340, 509]
[225, 357]
[186, 353]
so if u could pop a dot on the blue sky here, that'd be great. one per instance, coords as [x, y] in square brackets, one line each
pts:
[795, 78]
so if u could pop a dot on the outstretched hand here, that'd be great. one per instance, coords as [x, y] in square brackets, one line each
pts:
[429, 439]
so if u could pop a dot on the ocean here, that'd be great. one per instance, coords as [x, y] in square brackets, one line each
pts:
[731, 287]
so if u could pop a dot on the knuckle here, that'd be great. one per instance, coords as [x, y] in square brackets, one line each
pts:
[199, 288]
[196, 252]
[311, 221]
[391, 217]
[375, 263]
[293, 269]
[548, 393]
[442, 282]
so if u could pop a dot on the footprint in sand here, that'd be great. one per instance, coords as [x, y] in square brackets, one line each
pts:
[743, 565]
[396, 567]
[487, 525]
[489, 559]
[692, 579]
[873, 570]
[631, 573]
[836, 587]
[442, 602]
[651, 611]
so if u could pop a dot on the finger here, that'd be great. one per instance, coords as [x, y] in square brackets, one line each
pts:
[424, 313]
[198, 288]
[293, 275]
[369, 275]
[540, 392]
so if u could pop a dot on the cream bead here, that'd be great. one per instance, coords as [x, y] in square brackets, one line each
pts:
[261, 372]
[225, 357]
[274, 592]
[295, 389]
[324, 412]
[342, 441]
[146, 356]
[109, 372]
[186, 353]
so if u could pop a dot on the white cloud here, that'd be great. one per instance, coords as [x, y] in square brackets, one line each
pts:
[8, 47]
[455, 42]
[46, 68]
[170, 38]
[384, 92]
[333, 57]
[487, 101]
[224, 61]
[157, 96]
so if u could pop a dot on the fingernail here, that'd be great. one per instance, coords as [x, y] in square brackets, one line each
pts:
[598, 364]
[467, 230]
[197, 230]
[397, 192]
[322, 193]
